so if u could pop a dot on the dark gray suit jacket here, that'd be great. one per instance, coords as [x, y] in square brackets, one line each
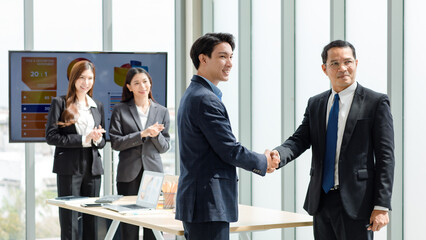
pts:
[366, 162]
[137, 152]
[68, 142]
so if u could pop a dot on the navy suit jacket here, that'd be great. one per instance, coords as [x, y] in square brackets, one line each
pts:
[366, 162]
[209, 154]
[69, 143]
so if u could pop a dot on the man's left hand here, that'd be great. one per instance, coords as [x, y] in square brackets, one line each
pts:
[378, 219]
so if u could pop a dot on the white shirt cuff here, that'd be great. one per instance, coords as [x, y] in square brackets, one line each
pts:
[381, 208]
[83, 140]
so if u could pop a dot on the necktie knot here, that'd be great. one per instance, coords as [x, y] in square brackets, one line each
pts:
[336, 98]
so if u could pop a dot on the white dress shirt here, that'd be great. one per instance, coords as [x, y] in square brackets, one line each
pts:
[85, 122]
[143, 116]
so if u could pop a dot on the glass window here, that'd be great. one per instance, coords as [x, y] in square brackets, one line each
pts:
[225, 19]
[414, 118]
[148, 26]
[68, 25]
[266, 99]
[371, 51]
[312, 34]
[12, 155]
[60, 26]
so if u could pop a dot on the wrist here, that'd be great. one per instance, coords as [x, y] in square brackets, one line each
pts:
[86, 139]
[143, 134]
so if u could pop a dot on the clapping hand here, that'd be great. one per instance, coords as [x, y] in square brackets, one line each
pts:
[153, 130]
[273, 160]
[95, 134]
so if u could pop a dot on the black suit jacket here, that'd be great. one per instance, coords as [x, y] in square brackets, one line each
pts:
[68, 142]
[366, 162]
[136, 152]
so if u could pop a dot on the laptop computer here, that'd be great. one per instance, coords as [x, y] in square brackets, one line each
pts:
[148, 195]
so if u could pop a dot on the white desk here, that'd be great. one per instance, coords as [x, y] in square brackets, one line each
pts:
[161, 220]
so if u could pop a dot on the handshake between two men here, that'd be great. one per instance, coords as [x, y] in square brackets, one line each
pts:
[273, 158]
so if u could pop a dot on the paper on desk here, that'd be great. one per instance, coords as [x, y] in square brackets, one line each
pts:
[76, 201]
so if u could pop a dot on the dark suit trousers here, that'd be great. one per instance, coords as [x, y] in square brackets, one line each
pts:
[333, 223]
[206, 230]
[129, 231]
[81, 184]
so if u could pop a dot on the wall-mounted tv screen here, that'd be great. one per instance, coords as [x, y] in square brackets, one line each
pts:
[36, 77]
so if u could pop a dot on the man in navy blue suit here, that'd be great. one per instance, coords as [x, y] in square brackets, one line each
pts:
[207, 197]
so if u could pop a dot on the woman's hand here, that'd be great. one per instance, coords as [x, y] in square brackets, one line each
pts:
[153, 130]
[95, 134]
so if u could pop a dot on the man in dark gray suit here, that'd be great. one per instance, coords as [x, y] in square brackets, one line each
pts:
[207, 198]
[350, 129]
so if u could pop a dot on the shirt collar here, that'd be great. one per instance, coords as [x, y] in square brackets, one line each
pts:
[215, 89]
[90, 101]
[349, 91]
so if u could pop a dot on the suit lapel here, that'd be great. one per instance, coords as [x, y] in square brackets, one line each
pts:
[353, 116]
[96, 116]
[151, 115]
[322, 116]
[135, 115]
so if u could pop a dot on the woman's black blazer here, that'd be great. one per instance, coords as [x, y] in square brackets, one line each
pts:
[69, 143]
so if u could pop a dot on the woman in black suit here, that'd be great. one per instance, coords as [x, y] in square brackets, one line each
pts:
[140, 131]
[75, 126]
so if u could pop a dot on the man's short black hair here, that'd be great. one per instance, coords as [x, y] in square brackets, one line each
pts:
[205, 45]
[339, 44]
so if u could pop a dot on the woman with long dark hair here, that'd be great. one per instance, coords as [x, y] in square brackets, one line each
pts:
[75, 125]
[140, 131]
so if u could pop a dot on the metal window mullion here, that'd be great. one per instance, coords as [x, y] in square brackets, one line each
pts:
[395, 68]
[107, 46]
[29, 147]
[288, 107]
[245, 92]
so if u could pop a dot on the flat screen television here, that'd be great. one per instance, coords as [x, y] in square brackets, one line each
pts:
[35, 77]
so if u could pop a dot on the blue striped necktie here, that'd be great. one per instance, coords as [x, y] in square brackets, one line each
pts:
[331, 142]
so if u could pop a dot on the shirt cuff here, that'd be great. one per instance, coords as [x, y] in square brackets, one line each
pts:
[83, 142]
[97, 142]
[381, 208]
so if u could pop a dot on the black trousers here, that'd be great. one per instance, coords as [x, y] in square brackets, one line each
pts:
[129, 231]
[81, 184]
[333, 223]
[206, 231]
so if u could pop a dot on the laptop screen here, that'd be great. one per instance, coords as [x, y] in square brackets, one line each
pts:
[150, 188]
